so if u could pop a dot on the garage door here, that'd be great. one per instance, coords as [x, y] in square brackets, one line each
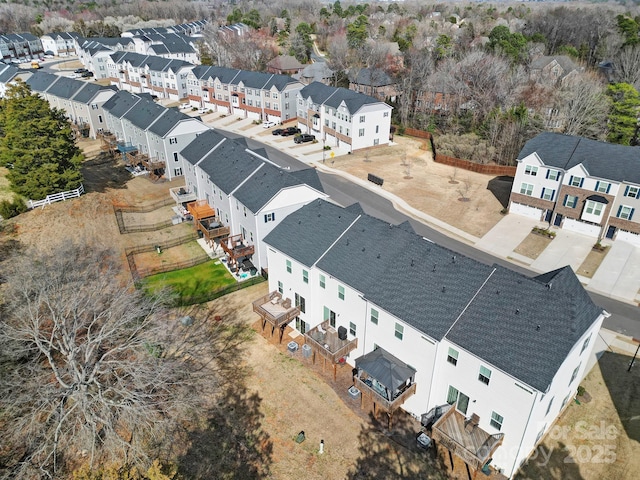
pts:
[581, 227]
[526, 211]
[629, 237]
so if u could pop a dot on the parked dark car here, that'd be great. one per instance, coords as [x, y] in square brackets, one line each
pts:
[305, 137]
[80, 70]
[87, 74]
[277, 131]
[290, 131]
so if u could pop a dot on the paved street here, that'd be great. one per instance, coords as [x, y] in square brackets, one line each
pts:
[614, 286]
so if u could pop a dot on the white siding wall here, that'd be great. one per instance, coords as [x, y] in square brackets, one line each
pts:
[376, 126]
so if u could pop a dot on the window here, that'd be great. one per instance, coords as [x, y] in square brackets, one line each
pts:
[564, 402]
[547, 194]
[570, 201]
[361, 118]
[452, 395]
[574, 374]
[288, 266]
[399, 331]
[361, 132]
[300, 303]
[280, 288]
[585, 344]
[385, 114]
[540, 433]
[331, 316]
[625, 212]
[352, 328]
[323, 281]
[452, 357]
[305, 276]
[553, 174]
[173, 140]
[593, 208]
[485, 375]
[269, 217]
[340, 292]
[377, 128]
[496, 420]
[374, 316]
[94, 106]
[576, 181]
[603, 187]
[526, 189]
[549, 407]
[632, 192]
[531, 170]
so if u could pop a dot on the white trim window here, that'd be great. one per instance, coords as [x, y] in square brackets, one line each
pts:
[553, 174]
[496, 421]
[526, 189]
[531, 170]
[452, 356]
[485, 375]
[633, 192]
[625, 212]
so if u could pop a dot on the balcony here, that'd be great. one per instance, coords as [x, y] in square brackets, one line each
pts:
[325, 342]
[276, 311]
[213, 230]
[236, 248]
[465, 439]
[181, 195]
[152, 163]
[385, 379]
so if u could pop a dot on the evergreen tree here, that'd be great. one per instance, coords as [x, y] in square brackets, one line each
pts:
[37, 144]
[623, 115]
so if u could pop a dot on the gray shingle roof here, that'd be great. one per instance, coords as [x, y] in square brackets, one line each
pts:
[373, 77]
[41, 81]
[263, 185]
[544, 317]
[145, 113]
[120, 103]
[442, 293]
[385, 368]
[315, 226]
[89, 92]
[322, 94]
[65, 87]
[8, 72]
[167, 121]
[602, 160]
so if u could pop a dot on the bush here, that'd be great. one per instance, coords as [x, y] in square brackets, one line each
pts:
[10, 209]
[581, 391]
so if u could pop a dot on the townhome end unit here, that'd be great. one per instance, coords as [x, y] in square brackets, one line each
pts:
[490, 356]
[241, 196]
[579, 184]
[342, 117]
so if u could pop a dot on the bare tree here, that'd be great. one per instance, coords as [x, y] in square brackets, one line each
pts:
[94, 367]
[627, 65]
[583, 106]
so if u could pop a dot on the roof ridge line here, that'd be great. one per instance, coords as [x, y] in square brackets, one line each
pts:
[209, 152]
[336, 241]
[470, 301]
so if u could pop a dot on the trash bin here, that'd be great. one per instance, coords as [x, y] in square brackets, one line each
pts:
[306, 350]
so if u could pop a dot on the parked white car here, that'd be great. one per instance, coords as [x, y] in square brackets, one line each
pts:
[268, 124]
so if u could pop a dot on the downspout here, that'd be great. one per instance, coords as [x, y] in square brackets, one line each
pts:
[526, 427]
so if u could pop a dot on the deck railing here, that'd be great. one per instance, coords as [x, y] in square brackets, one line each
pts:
[277, 321]
[384, 403]
[324, 352]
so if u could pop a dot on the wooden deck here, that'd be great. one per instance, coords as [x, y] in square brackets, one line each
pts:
[324, 342]
[236, 248]
[465, 439]
[181, 195]
[380, 402]
[276, 311]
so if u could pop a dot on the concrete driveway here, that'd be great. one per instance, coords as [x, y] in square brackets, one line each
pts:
[568, 248]
[506, 235]
[618, 275]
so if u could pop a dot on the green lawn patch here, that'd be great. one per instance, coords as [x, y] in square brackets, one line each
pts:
[198, 281]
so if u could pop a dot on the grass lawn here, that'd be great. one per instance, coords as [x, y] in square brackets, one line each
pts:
[192, 282]
[5, 192]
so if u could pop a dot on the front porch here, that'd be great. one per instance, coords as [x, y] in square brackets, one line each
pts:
[325, 342]
[463, 438]
[276, 311]
[386, 380]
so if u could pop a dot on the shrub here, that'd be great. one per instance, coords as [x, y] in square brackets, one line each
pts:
[10, 209]
[581, 391]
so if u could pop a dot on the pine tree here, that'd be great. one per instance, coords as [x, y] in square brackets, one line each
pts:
[623, 115]
[37, 144]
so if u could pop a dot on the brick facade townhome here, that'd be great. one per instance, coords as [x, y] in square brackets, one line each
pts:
[579, 184]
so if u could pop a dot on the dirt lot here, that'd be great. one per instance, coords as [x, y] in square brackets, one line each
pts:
[458, 197]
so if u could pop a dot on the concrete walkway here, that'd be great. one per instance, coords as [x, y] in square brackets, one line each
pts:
[619, 273]
[568, 248]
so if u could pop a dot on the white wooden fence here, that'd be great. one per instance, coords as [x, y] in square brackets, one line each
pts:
[56, 197]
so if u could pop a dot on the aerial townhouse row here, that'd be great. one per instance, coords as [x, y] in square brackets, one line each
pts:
[244, 195]
[162, 77]
[194, 28]
[486, 356]
[60, 44]
[19, 47]
[147, 134]
[256, 95]
[579, 184]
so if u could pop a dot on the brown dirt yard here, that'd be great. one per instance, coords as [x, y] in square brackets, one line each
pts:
[455, 196]
[294, 396]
